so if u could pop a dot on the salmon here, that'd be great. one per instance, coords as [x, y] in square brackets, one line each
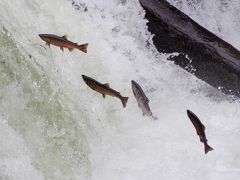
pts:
[62, 42]
[104, 89]
[142, 100]
[200, 128]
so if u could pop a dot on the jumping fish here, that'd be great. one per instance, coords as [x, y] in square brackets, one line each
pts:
[142, 99]
[104, 89]
[200, 128]
[62, 42]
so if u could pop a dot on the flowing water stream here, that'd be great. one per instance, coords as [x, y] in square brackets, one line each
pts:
[52, 126]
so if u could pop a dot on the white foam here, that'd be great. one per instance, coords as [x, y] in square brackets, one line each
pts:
[15, 158]
[125, 145]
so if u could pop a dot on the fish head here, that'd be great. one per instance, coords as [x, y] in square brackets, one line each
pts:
[193, 117]
[84, 77]
[44, 37]
[133, 83]
[134, 87]
[190, 114]
[87, 79]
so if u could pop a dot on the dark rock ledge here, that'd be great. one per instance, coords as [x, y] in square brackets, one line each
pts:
[212, 59]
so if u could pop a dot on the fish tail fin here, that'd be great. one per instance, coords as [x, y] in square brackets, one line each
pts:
[83, 47]
[124, 101]
[207, 148]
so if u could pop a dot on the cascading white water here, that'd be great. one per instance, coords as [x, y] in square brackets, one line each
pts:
[55, 127]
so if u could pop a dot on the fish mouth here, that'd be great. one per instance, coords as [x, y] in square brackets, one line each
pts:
[84, 77]
[41, 36]
[134, 83]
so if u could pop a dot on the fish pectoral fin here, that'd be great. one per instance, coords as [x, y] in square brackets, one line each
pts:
[70, 49]
[48, 44]
[104, 96]
[64, 37]
[107, 85]
[61, 48]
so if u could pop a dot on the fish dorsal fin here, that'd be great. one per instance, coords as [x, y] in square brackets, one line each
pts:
[64, 37]
[107, 85]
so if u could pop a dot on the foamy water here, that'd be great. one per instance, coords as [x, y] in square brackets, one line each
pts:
[58, 128]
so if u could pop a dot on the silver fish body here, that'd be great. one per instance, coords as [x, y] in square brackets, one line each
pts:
[142, 99]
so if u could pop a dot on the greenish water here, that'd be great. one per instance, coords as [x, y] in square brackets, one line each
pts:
[36, 112]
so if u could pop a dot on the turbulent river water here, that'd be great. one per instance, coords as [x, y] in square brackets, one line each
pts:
[52, 126]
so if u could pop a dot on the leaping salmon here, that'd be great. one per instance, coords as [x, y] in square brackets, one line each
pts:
[142, 99]
[200, 128]
[62, 42]
[104, 89]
